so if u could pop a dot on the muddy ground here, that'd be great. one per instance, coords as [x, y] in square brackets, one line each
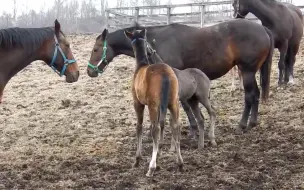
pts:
[56, 135]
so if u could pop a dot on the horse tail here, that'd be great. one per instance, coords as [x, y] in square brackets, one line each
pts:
[164, 97]
[265, 70]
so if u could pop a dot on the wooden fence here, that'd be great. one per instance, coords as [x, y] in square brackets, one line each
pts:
[195, 14]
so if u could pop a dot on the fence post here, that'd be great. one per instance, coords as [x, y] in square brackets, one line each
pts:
[107, 18]
[168, 15]
[136, 13]
[202, 16]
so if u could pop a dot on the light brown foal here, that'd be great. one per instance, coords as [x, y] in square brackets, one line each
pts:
[157, 87]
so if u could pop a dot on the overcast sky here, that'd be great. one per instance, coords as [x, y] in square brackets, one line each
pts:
[25, 5]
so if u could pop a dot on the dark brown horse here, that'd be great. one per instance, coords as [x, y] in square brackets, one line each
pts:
[21, 46]
[157, 87]
[214, 50]
[286, 24]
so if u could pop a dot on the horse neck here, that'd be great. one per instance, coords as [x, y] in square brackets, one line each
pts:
[14, 61]
[262, 11]
[120, 44]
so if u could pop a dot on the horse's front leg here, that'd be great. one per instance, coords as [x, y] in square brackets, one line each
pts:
[249, 87]
[193, 125]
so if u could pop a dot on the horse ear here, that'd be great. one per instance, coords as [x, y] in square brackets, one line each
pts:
[57, 27]
[128, 34]
[143, 32]
[104, 34]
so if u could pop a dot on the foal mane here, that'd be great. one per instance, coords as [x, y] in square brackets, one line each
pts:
[28, 38]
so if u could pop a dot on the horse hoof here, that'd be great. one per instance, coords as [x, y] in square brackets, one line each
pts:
[200, 147]
[172, 149]
[181, 168]
[150, 172]
[252, 124]
[213, 143]
[239, 130]
[136, 163]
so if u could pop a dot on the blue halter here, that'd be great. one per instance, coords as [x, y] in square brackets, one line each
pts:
[66, 61]
[137, 39]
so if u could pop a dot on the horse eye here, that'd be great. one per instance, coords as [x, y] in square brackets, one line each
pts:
[95, 50]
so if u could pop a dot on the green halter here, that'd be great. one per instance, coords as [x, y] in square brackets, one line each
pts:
[103, 59]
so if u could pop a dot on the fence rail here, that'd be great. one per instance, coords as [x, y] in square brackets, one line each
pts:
[199, 14]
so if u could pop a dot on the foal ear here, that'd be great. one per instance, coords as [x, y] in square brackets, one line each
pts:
[104, 34]
[57, 27]
[143, 32]
[128, 34]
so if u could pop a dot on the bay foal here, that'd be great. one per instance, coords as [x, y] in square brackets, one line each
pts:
[157, 87]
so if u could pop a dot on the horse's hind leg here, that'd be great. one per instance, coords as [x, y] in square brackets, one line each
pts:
[281, 64]
[250, 90]
[191, 118]
[206, 102]
[162, 120]
[290, 61]
[155, 131]
[200, 120]
[255, 107]
[139, 109]
[175, 130]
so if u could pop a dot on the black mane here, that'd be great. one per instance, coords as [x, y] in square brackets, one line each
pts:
[29, 38]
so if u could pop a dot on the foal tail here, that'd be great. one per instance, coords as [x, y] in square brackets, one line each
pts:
[265, 70]
[164, 97]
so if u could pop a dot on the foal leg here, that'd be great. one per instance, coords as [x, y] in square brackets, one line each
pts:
[139, 109]
[191, 118]
[200, 120]
[153, 112]
[162, 120]
[176, 134]
[232, 71]
[249, 87]
[281, 64]
[206, 103]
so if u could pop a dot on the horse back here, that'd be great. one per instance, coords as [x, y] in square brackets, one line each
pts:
[147, 83]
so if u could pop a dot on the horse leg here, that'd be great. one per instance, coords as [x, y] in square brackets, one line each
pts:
[193, 102]
[255, 107]
[206, 103]
[153, 112]
[162, 120]
[139, 109]
[290, 61]
[241, 87]
[232, 88]
[281, 64]
[249, 87]
[192, 121]
[175, 130]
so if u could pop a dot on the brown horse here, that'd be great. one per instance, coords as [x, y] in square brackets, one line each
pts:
[157, 87]
[214, 50]
[286, 24]
[21, 46]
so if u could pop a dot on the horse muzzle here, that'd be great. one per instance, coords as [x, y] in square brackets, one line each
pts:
[72, 77]
[92, 73]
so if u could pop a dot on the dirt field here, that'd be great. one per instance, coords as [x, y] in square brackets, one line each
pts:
[56, 135]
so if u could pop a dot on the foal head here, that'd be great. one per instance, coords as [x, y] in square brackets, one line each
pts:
[139, 44]
[58, 54]
[240, 8]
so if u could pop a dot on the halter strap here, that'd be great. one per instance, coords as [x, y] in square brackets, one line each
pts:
[103, 59]
[66, 61]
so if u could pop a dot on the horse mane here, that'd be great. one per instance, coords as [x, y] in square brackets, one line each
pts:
[28, 38]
